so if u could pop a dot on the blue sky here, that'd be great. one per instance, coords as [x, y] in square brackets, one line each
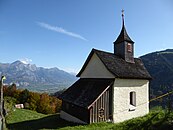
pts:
[61, 33]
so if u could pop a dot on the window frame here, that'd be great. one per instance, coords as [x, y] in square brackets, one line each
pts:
[132, 102]
[129, 47]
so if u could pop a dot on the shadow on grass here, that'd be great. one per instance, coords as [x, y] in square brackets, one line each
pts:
[49, 122]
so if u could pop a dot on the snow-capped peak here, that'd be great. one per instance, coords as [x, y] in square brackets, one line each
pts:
[25, 61]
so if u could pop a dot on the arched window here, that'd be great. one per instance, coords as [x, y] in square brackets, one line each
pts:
[133, 98]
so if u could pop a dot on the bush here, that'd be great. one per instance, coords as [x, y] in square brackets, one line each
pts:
[9, 103]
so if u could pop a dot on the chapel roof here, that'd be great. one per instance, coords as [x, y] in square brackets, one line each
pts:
[85, 91]
[118, 66]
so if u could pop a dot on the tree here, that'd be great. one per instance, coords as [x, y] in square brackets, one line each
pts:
[33, 100]
[24, 96]
[9, 91]
[55, 104]
[44, 106]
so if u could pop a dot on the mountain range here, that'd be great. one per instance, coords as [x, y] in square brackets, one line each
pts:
[36, 78]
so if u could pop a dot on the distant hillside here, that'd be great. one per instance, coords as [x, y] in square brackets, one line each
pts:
[160, 66]
[36, 78]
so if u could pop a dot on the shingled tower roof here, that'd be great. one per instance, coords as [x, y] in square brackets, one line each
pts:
[123, 35]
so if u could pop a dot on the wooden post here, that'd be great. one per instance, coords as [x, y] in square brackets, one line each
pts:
[1, 105]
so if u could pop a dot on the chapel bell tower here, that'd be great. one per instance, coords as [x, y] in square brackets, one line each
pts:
[124, 46]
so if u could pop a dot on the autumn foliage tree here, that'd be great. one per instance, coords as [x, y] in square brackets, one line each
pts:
[33, 100]
[9, 90]
[42, 103]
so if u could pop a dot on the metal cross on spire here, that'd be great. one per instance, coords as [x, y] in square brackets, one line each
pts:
[122, 16]
[122, 12]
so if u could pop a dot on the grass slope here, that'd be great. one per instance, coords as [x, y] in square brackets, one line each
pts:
[20, 115]
[22, 119]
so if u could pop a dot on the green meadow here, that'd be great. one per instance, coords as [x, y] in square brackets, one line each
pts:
[22, 119]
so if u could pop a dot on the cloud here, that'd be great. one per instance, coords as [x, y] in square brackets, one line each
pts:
[25, 60]
[61, 30]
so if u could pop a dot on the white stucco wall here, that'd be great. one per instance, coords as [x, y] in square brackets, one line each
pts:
[121, 98]
[70, 118]
[96, 69]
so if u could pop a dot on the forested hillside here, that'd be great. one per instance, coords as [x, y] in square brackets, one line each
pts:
[160, 66]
